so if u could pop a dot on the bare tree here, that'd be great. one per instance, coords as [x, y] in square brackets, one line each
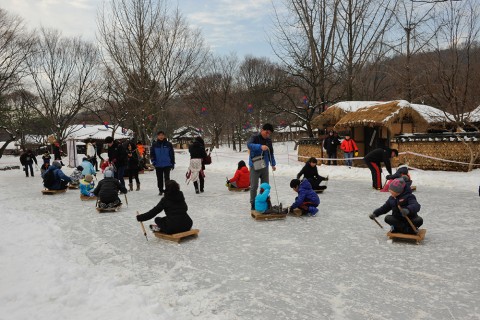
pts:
[362, 29]
[151, 54]
[64, 72]
[15, 46]
[305, 42]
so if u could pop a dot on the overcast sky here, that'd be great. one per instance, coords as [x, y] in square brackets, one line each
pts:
[239, 26]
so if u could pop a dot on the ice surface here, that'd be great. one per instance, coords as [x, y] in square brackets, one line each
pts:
[60, 259]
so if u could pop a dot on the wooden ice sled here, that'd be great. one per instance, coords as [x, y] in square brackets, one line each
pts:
[269, 216]
[73, 186]
[117, 208]
[49, 191]
[177, 236]
[404, 236]
[87, 198]
[414, 188]
[238, 189]
[297, 212]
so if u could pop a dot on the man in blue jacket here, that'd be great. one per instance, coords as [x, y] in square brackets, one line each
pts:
[163, 158]
[260, 144]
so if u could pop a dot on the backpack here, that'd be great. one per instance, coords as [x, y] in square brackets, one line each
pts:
[49, 179]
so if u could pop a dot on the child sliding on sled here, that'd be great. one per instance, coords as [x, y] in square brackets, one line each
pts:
[87, 185]
[107, 191]
[76, 176]
[403, 204]
[176, 218]
[310, 172]
[307, 200]
[241, 179]
[263, 203]
[402, 172]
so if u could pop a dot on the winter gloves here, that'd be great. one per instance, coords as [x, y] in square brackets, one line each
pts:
[404, 212]
[372, 216]
[388, 177]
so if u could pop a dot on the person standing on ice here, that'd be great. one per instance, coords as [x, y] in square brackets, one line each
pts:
[117, 156]
[196, 168]
[176, 218]
[349, 147]
[26, 159]
[330, 144]
[163, 158]
[261, 152]
[403, 204]
[374, 161]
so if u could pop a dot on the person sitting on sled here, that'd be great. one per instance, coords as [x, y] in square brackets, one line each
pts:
[107, 191]
[307, 200]
[402, 172]
[241, 179]
[87, 185]
[54, 178]
[263, 203]
[403, 204]
[310, 172]
[176, 218]
[76, 176]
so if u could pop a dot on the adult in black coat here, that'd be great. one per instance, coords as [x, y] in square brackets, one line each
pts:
[331, 144]
[310, 172]
[374, 161]
[133, 163]
[26, 159]
[403, 204]
[176, 218]
[197, 151]
[107, 189]
[118, 156]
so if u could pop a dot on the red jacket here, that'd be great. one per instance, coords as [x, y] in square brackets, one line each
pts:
[242, 177]
[348, 145]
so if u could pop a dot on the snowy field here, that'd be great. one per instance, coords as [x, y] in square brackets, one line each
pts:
[60, 259]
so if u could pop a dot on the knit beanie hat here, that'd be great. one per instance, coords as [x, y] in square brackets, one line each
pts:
[397, 185]
[108, 174]
[57, 164]
[88, 178]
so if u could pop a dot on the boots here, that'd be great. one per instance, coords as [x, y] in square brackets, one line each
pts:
[138, 187]
[131, 186]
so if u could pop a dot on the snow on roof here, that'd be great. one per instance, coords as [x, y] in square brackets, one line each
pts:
[431, 114]
[79, 132]
[475, 115]
[288, 129]
[350, 106]
[10, 146]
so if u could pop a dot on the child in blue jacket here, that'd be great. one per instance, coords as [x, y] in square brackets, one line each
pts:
[307, 199]
[263, 203]
[87, 185]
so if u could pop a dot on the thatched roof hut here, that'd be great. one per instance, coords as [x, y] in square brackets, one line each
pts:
[384, 115]
[334, 113]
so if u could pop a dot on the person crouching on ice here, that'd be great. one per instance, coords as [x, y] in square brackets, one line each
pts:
[241, 179]
[263, 203]
[107, 191]
[87, 185]
[307, 200]
[310, 172]
[176, 218]
[403, 204]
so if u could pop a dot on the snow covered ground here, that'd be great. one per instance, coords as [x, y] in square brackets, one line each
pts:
[60, 259]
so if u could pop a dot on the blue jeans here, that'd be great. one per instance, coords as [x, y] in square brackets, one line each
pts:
[348, 156]
[119, 174]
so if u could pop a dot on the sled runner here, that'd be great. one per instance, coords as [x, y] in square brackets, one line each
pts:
[73, 186]
[87, 198]
[405, 236]
[297, 212]
[239, 189]
[48, 191]
[177, 236]
[269, 216]
[414, 188]
[114, 209]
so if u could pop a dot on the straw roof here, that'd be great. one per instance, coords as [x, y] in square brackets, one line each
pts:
[384, 114]
[337, 111]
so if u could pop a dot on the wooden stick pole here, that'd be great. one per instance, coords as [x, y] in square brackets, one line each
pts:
[377, 223]
[143, 228]
[126, 201]
[411, 224]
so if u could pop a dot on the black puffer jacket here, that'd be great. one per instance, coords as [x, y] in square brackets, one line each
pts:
[309, 172]
[117, 154]
[107, 190]
[197, 149]
[176, 220]
[380, 155]
[405, 200]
